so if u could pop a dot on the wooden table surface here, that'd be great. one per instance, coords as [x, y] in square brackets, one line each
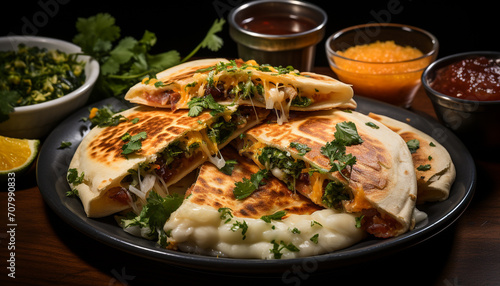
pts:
[48, 251]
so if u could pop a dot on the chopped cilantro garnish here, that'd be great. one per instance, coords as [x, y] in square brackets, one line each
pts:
[246, 187]
[425, 167]
[225, 214]
[314, 238]
[413, 145]
[154, 215]
[302, 148]
[240, 225]
[313, 223]
[134, 142]
[198, 104]
[274, 158]
[275, 216]
[229, 167]
[372, 125]
[73, 177]
[278, 248]
[64, 145]
[346, 134]
[359, 219]
[301, 101]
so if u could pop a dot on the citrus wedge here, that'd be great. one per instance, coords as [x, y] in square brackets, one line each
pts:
[16, 155]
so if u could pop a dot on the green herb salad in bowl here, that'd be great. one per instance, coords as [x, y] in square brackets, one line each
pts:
[42, 80]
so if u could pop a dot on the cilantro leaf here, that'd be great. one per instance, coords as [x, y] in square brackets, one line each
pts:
[9, 99]
[413, 145]
[128, 61]
[96, 34]
[246, 187]
[211, 40]
[154, 215]
[228, 167]
[425, 167]
[64, 145]
[372, 125]
[225, 214]
[134, 142]
[73, 177]
[240, 225]
[314, 238]
[278, 247]
[198, 104]
[275, 216]
[302, 148]
[346, 134]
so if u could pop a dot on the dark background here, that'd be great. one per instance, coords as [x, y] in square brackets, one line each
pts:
[180, 25]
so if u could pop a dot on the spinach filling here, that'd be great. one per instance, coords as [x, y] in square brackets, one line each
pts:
[273, 158]
[334, 193]
[220, 131]
[300, 101]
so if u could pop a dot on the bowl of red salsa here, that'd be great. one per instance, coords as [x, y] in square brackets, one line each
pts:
[464, 89]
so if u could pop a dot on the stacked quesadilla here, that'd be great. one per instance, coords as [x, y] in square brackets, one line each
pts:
[274, 222]
[242, 83]
[304, 174]
[117, 176]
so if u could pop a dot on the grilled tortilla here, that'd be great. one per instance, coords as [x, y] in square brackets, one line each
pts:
[381, 185]
[172, 145]
[434, 168]
[246, 83]
[212, 221]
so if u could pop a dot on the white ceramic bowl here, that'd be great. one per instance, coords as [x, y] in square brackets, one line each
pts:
[36, 121]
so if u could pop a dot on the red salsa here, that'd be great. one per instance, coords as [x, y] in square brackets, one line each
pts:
[471, 79]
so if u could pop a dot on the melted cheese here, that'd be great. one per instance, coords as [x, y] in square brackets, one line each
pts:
[199, 229]
[207, 146]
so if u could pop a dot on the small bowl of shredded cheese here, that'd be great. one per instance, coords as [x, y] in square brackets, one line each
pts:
[383, 61]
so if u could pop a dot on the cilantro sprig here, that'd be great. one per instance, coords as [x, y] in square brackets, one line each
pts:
[134, 142]
[279, 247]
[346, 134]
[302, 148]
[275, 216]
[154, 215]
[246, 187]
[198, 104]
[125, 60]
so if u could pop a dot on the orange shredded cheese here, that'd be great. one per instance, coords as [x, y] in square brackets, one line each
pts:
[382, 70]
[93, 112]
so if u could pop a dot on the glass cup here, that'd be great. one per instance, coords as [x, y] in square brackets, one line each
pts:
[395, 82]
[279, 33]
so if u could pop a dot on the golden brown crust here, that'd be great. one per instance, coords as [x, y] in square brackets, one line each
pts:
[433, 184]
[214, 188]
[382, 178]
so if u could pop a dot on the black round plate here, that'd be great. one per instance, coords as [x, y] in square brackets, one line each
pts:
[53, 164]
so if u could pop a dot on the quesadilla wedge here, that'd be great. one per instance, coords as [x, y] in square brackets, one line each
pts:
[433, 166]
[243, 83]
[376, 177]
[115, 167]
[272, 222]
